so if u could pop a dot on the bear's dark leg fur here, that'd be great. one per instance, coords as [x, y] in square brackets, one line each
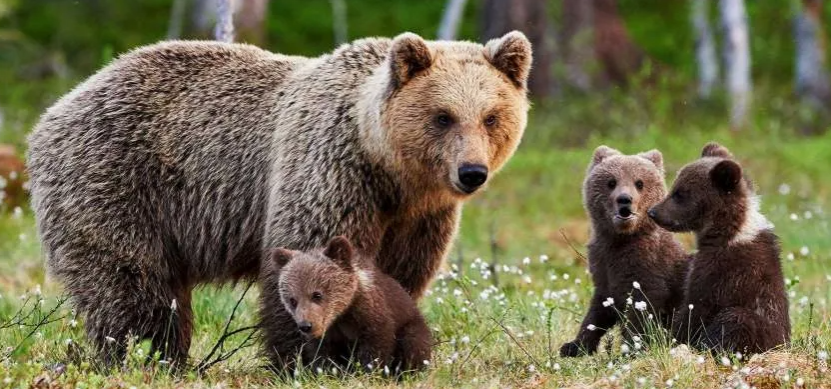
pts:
[414, 345]
[587, 340]
[737, 330]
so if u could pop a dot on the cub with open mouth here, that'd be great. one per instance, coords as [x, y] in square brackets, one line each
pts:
[629, 256]
[348, 312]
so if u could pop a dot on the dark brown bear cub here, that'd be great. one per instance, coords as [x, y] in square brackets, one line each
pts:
[347, 311]
[734, 294]
[628, 253]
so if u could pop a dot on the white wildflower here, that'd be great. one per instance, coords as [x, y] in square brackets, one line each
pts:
[591, 327]
[628, 301]
[465, 339]
[794, 217]
[608, 302]
[425, 362]
[690, 307]
[17, 213]
[822, 355]
[784, 189]
[543, 258]
[526, 261]
[526, 279]
[68, 341]
[808, 215]
[669, 383]
[531, 368]
[640, 305]
[804, 251]
[109, 339]
[800, 381]
[700, 360]
[636, 285]
[173, 305]
[624, 349]
[790, 256]
[725, 361]
[556, 366]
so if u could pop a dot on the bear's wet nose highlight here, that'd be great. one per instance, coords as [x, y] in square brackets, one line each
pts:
[473, 176]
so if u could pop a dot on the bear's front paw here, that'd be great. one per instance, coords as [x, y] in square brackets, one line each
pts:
[572, 349]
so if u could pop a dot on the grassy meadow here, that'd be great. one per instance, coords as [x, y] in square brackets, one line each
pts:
[515, 285]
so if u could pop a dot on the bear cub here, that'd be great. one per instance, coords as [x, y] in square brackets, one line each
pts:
[628, 254]
[735, 298]
[346, 310]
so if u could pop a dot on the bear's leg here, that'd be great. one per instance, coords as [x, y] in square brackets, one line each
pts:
[171, 333]
[119, 300]
[735, 330]
[598, 320]
[282, 341]
[415, 343]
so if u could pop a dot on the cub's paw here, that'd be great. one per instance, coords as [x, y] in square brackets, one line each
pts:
[572, 349]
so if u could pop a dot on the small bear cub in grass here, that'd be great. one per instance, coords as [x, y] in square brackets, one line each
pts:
[629, 256]
[346, 310]
[734, 294]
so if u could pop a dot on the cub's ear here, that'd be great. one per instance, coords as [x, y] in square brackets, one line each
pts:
[726, 175]
[281, 256]
[511, 55]
[655, 157]
[409, 55]
[340, 250]
[714, 149]
[601, 153]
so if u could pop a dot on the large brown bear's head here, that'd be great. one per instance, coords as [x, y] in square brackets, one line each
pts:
[449, 114]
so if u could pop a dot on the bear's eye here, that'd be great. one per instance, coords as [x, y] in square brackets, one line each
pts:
[443, 120]
[490, 121]
[317, 297]
[677, 196]
[639, 184]
[293, 302]
[612, 183]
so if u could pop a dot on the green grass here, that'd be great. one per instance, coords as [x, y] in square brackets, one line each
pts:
[490, 335]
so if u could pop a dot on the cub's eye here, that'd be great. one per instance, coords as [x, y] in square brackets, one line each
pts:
[639, 184]
[293, 303]
[490, 121]
[443, 120]
[317, 297]
[612, 183]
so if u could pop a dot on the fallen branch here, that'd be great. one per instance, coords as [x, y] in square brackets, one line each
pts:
[218, 353]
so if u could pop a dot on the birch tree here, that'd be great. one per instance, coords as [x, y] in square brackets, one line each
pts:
[736, 51]
[811, 78]
[705, 48]
[339, 21]
[449, 26]
[224, 31]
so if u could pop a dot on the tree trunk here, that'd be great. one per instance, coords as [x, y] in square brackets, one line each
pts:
[177, 14]
[618, 55]
[339, 21]
[250, 21]
[736, 59]
[812, 83]
[224, 31]
[705, 48]
[530, 17]
[577, 43]
[449, 26]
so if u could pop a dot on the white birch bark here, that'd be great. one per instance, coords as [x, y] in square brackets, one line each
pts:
[811, 78]
[449, 26]
[224, 31]
[736, 48]
[705, 48]
[339, 21]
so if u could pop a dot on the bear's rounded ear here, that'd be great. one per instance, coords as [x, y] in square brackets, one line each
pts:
[600, 153]
[340, 250]
[281, 256]
[726, 175]
[714, 149]
[655, 157]
[511, 54]
[409, 55]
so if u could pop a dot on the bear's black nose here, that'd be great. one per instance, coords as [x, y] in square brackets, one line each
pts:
[473, 176]
[305, 326]
[624, 199]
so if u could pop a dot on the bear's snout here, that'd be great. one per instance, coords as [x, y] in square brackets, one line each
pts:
[472, 176]
[304, 326]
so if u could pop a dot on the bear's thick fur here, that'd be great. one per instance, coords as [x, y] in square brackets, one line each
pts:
[627, 247]
[348, 311]
[178, 163]
[734, 295]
